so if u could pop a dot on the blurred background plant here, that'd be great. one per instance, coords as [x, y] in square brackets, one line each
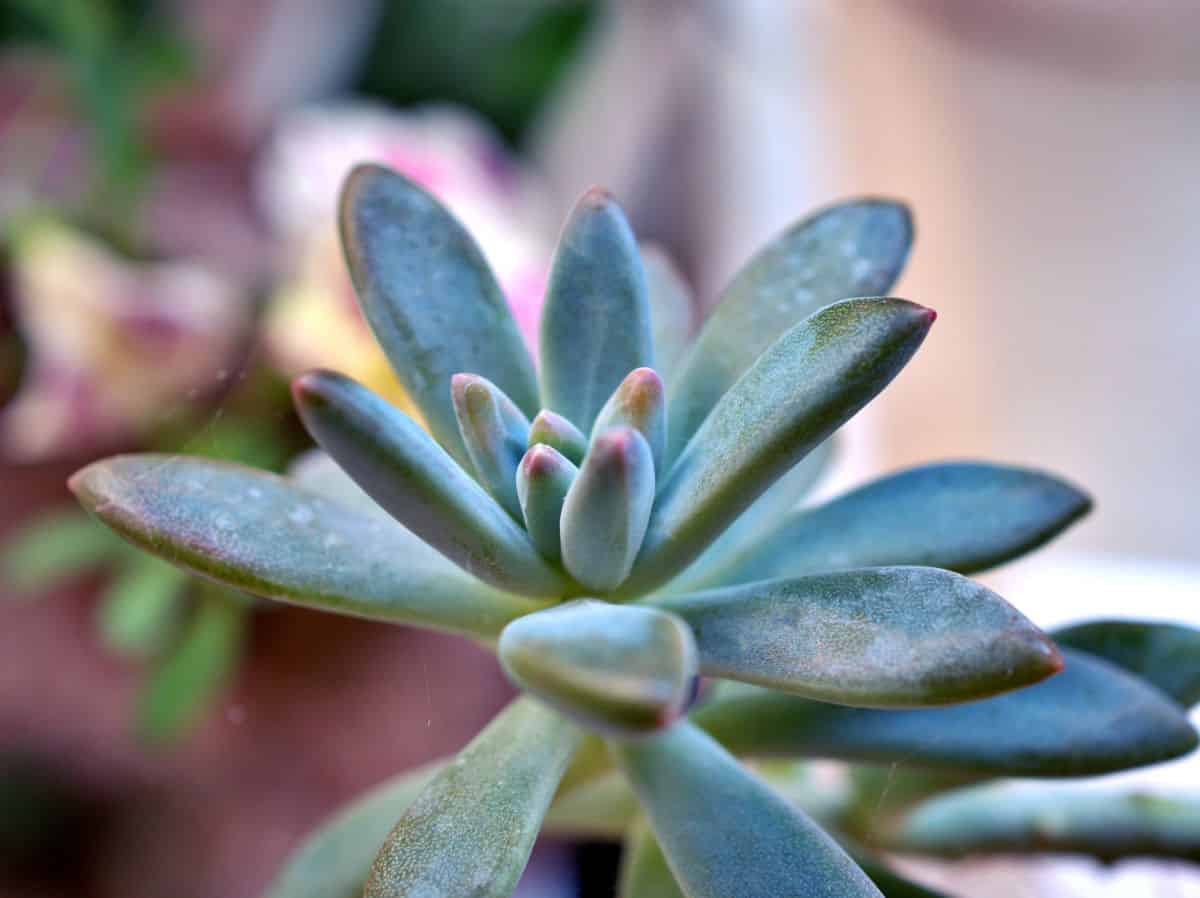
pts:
[167, 169]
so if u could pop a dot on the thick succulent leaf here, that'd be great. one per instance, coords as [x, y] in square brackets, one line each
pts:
[472, 828]
[139, 607]
[333, 861]
[672, 310]
[641, 403]
[196, 669]
[543, 479]
[619, 668]
[607, 508]
[553, 430]
[810, 382]
[644, 871]
[852, 249]
[494, 431]
[258, 532]
[1167, 655]
[430, 297]
[596, 320]
[725, 832]
[1092, 718]
[420, 485]
[1019, 818]
[757, 522]
[317, 472]
[964, 516]
[874, 637]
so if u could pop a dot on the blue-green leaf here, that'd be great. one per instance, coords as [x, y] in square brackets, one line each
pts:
[258, 532]
[672, 310]
[471, 830]
[964, 516]
[856, 248]
[810, 382]
[1106, 823]
[639, 402]
[1167, 655]
[644, 871]
[420, 485]
[619, 668]
[553, 430]
[727, 833]
[543, 479]
[873, 637]
[1092, 718]
[494, 431]
[430, 297]
[333, 861]
[605, 513]
[596, 321]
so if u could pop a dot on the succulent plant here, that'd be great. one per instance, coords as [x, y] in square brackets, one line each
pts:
[617, 529]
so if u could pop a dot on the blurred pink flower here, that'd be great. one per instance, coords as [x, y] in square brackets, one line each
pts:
[114, 347]
[313, 319]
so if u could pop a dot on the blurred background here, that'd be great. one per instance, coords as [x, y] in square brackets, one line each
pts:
[168, 170]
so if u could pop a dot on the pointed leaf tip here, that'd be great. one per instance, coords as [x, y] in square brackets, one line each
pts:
[620, 668]
[639, 402]
[607, 508]
[552, 429]
[543, 479]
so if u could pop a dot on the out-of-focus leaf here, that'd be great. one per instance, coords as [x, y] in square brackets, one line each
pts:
[430, 297]
[543, 480]
[672, 310]
[333, 861]
[601, 809]
[137, 610]
[596, 320]
[197, 669]
[607, 508]
[615, 667]
[55, 546]
[724, 831]
[494, 432]
[964, 516]
[1167, 655]
[644, 871]
[420, 485]
[888, 881]
[811, 381]
[855, 248]
[1018, 818]
[639, 402]
[472, 828]
[1092, 718]
[874, 637]
[259, 533]
[555, 431]
[756, 523]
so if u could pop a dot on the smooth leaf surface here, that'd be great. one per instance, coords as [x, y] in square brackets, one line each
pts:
[1167, 655]
[333, 861]
[963, 516]
[471, 830]
[810, 382]
[555, 431]
[672, 310]
[618, 668]
[856, 248]
[1016, 818]
[494, 432]
[872, 637]
[1092, 718]
[644, 872]
[139, 606]
[260, 533]
[725, 832]
[639, 402]
[430, 297]
[544, 478]
[607, 508]
[420, 485]
[596, 320]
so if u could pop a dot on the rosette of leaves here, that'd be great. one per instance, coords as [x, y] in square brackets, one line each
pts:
[622, 521]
